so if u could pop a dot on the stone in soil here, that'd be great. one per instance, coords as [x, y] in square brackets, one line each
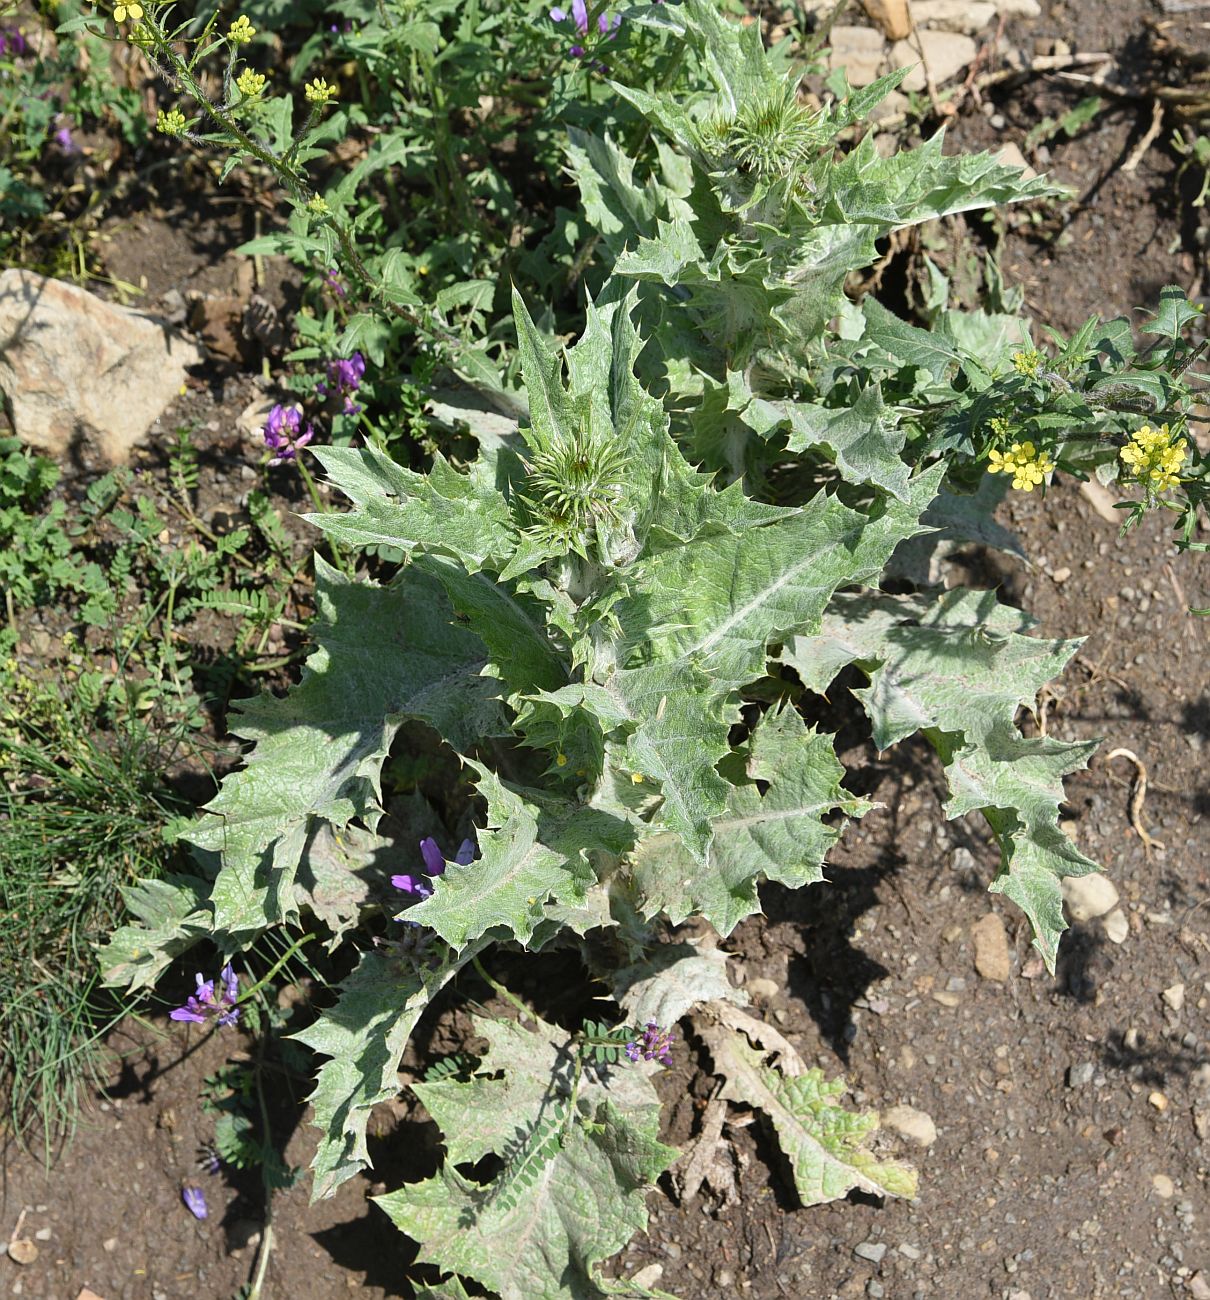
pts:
[891, 16]
[968, 16]
[859, 51]
[1080, 1076]
[1088, 897]
[1174, 997]
[873, 1251]
[946, 54]
[82, 375]
[992, 959]
[1117, 927]
[913, 1124]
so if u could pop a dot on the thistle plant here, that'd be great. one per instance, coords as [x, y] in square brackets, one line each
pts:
[703, 492]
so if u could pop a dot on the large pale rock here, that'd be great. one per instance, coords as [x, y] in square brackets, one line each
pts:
[968, 16]
[946, 53]
[891, 16]
[1088, 897]
[859, 51]
[992, 958]
[77, 369]
[915, 1125]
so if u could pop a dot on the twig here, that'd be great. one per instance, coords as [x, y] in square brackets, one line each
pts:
[1157, 122]
[507, 994]
[1136, 799]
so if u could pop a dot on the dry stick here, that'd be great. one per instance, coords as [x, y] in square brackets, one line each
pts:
[1136, 799]
[1157, 122]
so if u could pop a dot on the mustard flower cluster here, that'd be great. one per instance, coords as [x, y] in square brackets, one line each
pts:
[250, 83]
[1024, 462]
[1027, 363]
[320, 91]
[132, 11]
[241, 31]
[170, 123]
[1155, 457]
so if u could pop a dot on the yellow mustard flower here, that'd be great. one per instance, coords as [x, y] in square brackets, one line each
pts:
[132, 11]
[1024, 462]
[250, 83]
[1155, 457]
[319, 206]
[320, 91]
[560, 760]
[170, 123]
[637, 778]
[1028, 363]
[241, 31]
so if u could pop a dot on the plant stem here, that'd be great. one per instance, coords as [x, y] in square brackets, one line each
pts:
[277, 965]
[266, 1240]
[499, 988]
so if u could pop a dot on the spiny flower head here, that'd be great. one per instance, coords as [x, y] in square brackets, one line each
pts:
[203, 1002]
[577, 483]
[1155, 457]
[241, 31]
[1024, 462]
[250, 83]
[132, 11]
[654, 1044]
[320, 91]
[171, 123]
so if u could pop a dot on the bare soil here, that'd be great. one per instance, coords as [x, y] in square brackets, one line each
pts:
[1072, 1113]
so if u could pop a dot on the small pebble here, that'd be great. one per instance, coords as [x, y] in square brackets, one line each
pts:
[1174, 996]
[1163, 1186]
[1061, 575]
[1158, 1100]
[871, 1250]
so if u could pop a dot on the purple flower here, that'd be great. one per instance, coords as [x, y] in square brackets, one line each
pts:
[12, 42]
[344, 379]
[282, 435]
[195, 1202]
[654, 1044]
[208, 1159]
[579, 15]
[63, 139]
[333, 283]
[412, 885]
[202, 1002]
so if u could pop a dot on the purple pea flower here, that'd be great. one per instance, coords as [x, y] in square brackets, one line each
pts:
[202, 1003]
[344, 379]
[63, 138]
[12, 42]
[195, 1202]
[333, 283]
[282, 433]
[579, 15]
[654, 1044]
[434, 865]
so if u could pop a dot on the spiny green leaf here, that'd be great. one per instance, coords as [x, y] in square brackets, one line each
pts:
[444, 512]
[318, 751]
[529, 855]
[170, 916]
[957, 668]
[564, 1201]
[364, 1034]
[780, 835]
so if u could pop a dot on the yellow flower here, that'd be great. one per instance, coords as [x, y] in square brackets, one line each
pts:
[1024, 462]
[320, 91]
[1155, 457]
[250, 83]
[560, 760]
[319, 206]
[637, 778]
[132, 11]
[170, 123]
[241, 31]
[1028, 363]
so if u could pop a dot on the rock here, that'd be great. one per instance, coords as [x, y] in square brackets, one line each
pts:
[891, 16]
[1089, 896]
[1117, 927]
[991, 948]
[1019, 8]
[870, 1250]
[76, 368]
[1199, 1286]
[1174, 997]
[913, 1124]
[1080, 1076]
[22, 1251]
[1059, 575]
[87, 1293]
[946, 54]
[1158, 1100]
[109, 1245]
[953, 15]
[762, 988]
[859, 51]
[1201, 1124]
[649, 1276]
[251, 420]
[1163, 1186]
[1010, 155]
